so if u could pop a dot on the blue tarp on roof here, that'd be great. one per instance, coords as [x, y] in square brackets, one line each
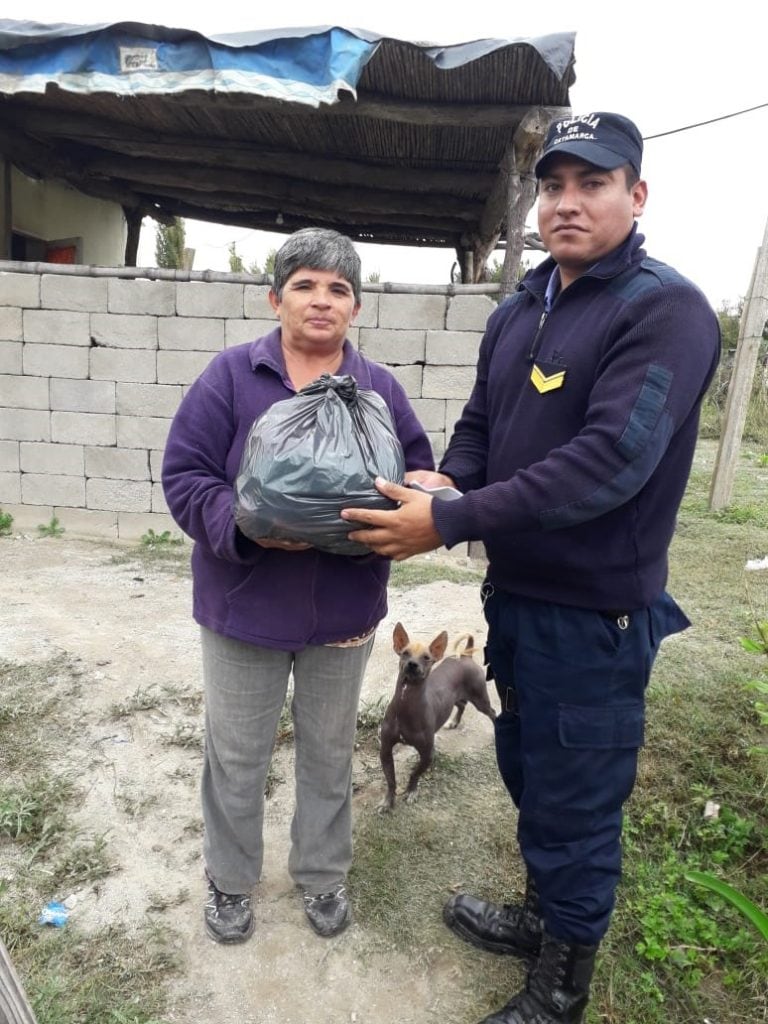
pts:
[305, 65]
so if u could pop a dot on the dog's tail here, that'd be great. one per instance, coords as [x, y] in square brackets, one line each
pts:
[469, 646]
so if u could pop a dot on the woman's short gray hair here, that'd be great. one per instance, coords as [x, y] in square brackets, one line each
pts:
[317, 249]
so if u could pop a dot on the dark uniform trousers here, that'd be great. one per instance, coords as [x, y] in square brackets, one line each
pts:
[572, 687]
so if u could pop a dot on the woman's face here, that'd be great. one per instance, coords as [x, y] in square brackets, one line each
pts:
[316, 309]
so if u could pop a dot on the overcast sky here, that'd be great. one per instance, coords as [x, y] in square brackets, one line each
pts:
[664, 64]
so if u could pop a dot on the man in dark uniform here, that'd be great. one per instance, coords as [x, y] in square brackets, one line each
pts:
[572, 453]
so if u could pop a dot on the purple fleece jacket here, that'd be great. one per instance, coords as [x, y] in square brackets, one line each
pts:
[574, 487]
[281, 599]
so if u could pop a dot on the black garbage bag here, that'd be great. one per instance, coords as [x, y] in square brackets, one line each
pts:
[310, 456]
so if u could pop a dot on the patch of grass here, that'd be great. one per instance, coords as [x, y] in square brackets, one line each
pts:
[369, 716]
[416, 572]
[6, 523]
[188, 735]
[150, 539]
[104, 977]
[51, 529]
[675, 953]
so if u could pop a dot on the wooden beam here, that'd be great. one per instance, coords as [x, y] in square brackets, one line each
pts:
[751, 327]
[390, 231]
[273, 190]
[120, 137]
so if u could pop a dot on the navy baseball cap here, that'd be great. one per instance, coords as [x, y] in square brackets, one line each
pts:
[603, 139]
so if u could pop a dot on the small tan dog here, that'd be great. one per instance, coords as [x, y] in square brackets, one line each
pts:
[424, 699]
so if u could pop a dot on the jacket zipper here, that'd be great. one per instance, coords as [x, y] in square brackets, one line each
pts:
[537, 337]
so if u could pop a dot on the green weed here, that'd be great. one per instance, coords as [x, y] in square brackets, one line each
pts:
[150, 539]
[6, 523]
[51, 529]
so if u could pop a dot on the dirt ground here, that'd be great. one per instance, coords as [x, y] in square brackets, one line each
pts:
[127, 628]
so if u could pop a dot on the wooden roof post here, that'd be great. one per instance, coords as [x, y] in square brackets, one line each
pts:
[521, 193]
[14, 1007]
[751, 328]
[6, 210]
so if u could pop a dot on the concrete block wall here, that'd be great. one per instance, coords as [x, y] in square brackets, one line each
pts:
[93, 366]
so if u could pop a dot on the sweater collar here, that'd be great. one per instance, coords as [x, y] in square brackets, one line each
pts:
[613, 263]
[268, 352]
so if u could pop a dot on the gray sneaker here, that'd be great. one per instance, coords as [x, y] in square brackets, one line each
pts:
[328, 912]
[228, 916]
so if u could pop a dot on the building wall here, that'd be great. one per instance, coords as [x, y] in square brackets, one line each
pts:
[49, 211]
[92, 369]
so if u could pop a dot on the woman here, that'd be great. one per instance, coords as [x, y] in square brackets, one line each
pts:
[270, 608]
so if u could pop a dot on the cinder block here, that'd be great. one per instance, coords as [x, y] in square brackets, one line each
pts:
[181, 367]
[412, 311]
[23, 392]
[10, 357]
[437, 440]
[59, 291]
[133, 526]
[156, 465]
[20, 290]
[148, 399]
[469, 312]
[209, 298]
[452, 348]
[25, 425]
[251, 330]
[50, 489]
[127, 365]
[117, 463]
[239, 332]
[10, 324]
[454, 407]
[410, 378]
[83, 395]
[369, 311]
[83, 428]
[158, 499]
[119, 495]
[142, 431]
[156, 298]
[191, 334]
[55, 361]
[256, 303]
[10, 489]
[9, 457]
[395, 348]
[56, 327]
[353, 337]
[61, 459]
[430, 413]
[84, 522]
[448, 381]
[121, 330]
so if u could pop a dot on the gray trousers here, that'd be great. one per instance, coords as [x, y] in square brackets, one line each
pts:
[245, 688]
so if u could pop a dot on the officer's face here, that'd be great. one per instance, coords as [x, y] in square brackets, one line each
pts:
[585, 212]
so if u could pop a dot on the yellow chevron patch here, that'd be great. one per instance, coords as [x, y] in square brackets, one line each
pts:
[544, 383]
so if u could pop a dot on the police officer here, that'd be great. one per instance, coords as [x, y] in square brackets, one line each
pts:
[572, 453]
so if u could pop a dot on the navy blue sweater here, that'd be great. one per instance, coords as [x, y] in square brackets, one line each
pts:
[574, 486]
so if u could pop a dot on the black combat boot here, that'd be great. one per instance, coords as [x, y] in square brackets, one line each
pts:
[557, 989]
[513, 929]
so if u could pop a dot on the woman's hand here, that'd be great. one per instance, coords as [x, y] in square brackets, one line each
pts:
[428, 478]
[283, 545]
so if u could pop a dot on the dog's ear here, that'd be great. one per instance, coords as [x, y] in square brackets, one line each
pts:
[399, 638]
[438, 646]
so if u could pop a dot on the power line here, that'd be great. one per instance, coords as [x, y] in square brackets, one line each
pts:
[699, 124]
